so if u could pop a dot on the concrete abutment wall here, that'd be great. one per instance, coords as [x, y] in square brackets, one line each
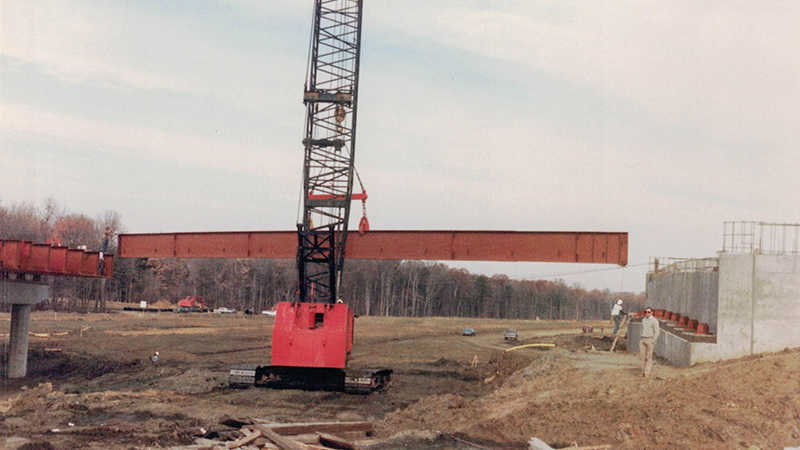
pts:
[691, 294]
[751, 304]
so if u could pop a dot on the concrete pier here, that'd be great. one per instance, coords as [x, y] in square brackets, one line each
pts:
[22, 295]
[18, 348]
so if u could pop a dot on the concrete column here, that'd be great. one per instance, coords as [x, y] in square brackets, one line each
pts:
[22, 295]
[18, 349]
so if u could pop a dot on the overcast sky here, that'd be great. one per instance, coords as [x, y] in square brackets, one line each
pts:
[663, 119]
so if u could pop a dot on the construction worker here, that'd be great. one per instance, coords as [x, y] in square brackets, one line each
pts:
[647, 343]
[616, 315]
[104, 249]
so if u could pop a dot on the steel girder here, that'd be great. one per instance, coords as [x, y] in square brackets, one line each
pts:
[534, 246]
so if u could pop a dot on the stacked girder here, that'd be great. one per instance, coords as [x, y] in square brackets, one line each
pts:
[331, 96]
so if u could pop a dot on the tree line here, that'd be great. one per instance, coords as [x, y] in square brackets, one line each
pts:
[378, 288]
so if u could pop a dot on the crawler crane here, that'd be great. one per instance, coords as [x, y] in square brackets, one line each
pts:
[313, 335]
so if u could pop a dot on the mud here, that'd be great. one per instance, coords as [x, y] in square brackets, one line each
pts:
[92, 386]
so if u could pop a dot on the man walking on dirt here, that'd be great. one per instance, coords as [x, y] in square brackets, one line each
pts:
[650, 332]
[616, 315]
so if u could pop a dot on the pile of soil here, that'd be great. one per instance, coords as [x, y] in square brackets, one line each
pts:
[734, 404]
[162, 304]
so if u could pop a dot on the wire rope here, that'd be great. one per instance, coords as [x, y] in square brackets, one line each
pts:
[535, 277]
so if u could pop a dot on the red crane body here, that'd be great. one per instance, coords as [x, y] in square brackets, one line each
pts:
[312, 335]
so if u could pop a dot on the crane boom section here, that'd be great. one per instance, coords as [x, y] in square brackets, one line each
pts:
[331, 99]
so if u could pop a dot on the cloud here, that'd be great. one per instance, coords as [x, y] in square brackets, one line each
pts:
[730, 69]
[120, 47]
[163, 146]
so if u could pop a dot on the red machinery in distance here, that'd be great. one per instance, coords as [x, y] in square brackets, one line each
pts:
[193, 303]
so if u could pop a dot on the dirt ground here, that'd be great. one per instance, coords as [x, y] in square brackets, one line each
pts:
[92, 386]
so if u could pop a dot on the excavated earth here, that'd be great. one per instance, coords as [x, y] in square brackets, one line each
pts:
[92, 386]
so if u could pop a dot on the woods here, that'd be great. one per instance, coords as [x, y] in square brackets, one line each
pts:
[382, 288]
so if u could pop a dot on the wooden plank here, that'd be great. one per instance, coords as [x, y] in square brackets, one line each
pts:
[616, 336]
[336, 442]
[305, 438]
[264, 443]
[289, 429]
[252, 436]
[284, 443]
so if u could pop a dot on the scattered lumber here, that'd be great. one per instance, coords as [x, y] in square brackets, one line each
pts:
[288, 429]
[247, 434]
[249, 437]
[336, 442]
[283, 443]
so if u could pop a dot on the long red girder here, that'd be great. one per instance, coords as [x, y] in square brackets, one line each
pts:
[531, 246]
[26, 257]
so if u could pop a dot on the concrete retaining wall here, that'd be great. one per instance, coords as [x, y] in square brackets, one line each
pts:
[759, 304]
[673, 346]
[752, 305]
[692, 294]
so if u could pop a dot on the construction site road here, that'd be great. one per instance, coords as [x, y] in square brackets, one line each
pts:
[92, 385]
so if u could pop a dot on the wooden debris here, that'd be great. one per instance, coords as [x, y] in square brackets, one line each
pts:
[249, 437]
[290, 429]
[306, 438]
[336, 442]
[283, 443]
[247, 434]
[616, 336]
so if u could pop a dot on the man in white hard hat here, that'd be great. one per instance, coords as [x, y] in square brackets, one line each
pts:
[616, 315]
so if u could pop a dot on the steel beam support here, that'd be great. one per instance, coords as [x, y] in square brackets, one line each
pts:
[538, 246]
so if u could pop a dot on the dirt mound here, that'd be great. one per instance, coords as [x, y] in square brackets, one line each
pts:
[162, 304]
[500, 366]
[553, 400]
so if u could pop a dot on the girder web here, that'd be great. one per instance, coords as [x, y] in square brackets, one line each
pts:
[330, 99]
